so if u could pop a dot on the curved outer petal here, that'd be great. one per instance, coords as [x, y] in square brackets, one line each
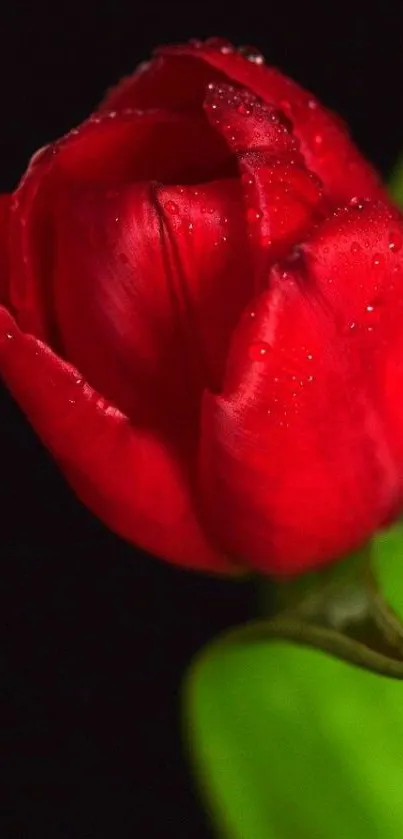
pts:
[126, 475]
[294, 465]
[4, 230]
[325, 142]
[354, 263]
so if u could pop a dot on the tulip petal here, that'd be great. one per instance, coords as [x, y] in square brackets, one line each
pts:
[127, 476]
[325, 142]
[294, 465]
[354, 263]
[161, 276]
[282, 198]
[104, 152]
[4, 228]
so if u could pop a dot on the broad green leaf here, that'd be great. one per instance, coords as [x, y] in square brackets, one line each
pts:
[289, 743]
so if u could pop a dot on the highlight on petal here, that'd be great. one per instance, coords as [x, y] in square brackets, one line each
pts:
[294, 463]
[126, 475]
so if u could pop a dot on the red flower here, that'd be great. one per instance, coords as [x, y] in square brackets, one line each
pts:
[202, 306]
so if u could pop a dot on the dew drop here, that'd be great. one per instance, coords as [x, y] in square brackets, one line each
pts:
[9, 336]
[395, 241]
[221, 44]
[79, 381]
[352, 325]
[356, 202]
[370, 308]
[309, 356]
[377, 260]
[246, 179]
[253, 215]
[318, 140]
[266, 242]
[310, 378]
[244, 109]
[312, 104]
[251, 54]
[258, 350]
[171, 207]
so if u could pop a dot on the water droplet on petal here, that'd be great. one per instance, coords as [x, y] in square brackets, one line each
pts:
[258, 350]
[312, 104]
[318, 140]
[251, 54]
[221, 44]
[253, 215]
[245, 109]
[377, 260]
[395, 241]
[171, 207]
[246, 179]
[357, 203]
[9, 336]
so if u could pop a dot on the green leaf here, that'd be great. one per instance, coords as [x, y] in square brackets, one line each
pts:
[290, 743]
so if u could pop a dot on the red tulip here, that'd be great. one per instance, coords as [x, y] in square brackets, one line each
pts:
[201, 307]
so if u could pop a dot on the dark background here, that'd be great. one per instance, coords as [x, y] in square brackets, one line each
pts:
[97, 634]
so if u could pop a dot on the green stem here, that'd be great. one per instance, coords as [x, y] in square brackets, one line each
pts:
[340, 610]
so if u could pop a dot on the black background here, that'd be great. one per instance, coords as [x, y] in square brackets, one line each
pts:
[97, 634]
